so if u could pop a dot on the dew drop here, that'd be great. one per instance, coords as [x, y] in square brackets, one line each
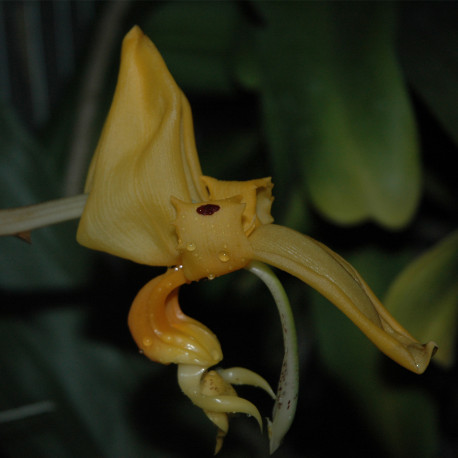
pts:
[191, 246]
[223, 256]
[211, 277]
[147, 341]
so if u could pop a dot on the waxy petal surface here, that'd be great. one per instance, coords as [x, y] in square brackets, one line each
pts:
[145, 155]
[163, 332]
[338, 281]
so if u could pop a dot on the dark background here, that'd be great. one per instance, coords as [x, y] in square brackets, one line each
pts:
[351, 107]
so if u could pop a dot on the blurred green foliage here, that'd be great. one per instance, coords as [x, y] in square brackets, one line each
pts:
[352, 108]
[430, 279]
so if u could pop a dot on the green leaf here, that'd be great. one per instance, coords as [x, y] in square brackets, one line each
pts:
[428, 44]
[195, 40]
[425, 296]
[335, 102]
[87, 387]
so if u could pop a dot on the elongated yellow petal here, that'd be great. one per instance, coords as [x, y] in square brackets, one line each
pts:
[338, 281]
[146, 154]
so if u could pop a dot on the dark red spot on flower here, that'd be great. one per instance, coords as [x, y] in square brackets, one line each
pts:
[207, 209]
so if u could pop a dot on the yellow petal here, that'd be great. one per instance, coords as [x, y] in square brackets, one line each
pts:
[163, 332]
[338, 281]
[146, 153]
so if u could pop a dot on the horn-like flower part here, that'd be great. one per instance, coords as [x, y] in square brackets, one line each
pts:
[163, 332]
[212, 391]
[149, 202]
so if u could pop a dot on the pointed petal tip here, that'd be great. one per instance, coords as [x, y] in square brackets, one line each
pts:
[422, 356]
[242, 376]
[135, 33]
[274, 440]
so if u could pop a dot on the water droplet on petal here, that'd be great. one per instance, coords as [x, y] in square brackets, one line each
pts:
[211, 277]
[191, 246]
[223, 256]
[147, 341]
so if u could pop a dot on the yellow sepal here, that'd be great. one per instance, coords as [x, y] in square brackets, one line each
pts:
[146, 154]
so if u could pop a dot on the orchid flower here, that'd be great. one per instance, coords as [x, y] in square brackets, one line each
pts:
[149, 202]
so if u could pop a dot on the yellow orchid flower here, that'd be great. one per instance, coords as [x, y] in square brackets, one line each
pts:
[149, 202]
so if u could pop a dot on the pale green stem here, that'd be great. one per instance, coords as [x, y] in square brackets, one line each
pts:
[15, 221]
[23, 412]
[288, 385]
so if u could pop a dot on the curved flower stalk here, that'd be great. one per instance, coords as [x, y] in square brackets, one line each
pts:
[149, 202]
[288, 385]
